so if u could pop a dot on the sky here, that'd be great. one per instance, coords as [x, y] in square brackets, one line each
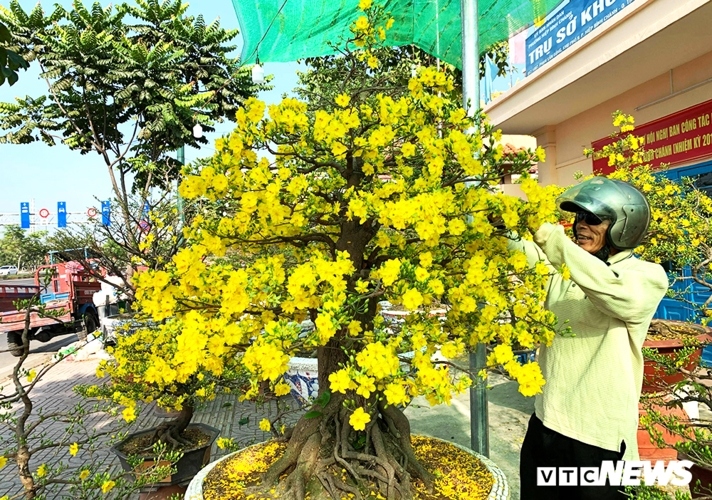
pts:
[44, 175]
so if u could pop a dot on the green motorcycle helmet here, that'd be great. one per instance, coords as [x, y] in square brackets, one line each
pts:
[613, 200]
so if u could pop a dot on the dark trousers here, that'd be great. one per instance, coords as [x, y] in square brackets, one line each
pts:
[543, 447]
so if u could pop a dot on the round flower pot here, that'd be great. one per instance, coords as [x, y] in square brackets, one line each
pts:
[188, 466]
[701, 474]
[654, 376]
[499, 491]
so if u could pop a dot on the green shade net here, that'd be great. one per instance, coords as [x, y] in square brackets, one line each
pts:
[287, 30]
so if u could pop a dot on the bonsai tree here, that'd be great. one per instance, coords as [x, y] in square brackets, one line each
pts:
[380, 193]
[42, 438]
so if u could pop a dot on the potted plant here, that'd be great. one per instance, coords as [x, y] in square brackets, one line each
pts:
[360, 192]
[134, 375]
[676, 340]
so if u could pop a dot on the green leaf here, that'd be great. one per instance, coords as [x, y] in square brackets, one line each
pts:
[313, 414]
[323, 399]
[4, 34]
[243, 421]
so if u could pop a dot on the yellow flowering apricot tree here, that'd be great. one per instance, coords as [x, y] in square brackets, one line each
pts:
[385, 193]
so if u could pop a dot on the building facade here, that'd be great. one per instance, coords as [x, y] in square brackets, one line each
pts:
[651, 59]
[648, 58]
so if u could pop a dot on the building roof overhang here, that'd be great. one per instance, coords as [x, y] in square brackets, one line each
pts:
[647, 39]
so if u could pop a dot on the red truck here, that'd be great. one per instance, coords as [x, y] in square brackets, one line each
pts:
[69, 293]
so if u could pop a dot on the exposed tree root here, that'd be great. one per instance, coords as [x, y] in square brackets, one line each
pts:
[171, 432]
[328, 459]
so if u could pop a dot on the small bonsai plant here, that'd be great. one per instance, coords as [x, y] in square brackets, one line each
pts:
[136, 374]
[43, 436]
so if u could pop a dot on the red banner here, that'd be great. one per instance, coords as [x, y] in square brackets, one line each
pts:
[671, 140]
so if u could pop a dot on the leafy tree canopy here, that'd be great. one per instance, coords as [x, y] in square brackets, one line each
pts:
[23, 249]
[127, 82]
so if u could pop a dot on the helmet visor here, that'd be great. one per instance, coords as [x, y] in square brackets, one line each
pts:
[589, 197]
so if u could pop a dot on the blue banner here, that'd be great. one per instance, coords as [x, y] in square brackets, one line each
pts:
[61, 214]
[568, 23]
[106, 213]
[25, 215]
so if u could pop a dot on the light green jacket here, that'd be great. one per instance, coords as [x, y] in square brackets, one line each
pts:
[594, 378]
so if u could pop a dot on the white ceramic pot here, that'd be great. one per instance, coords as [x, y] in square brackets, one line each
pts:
[499, 491]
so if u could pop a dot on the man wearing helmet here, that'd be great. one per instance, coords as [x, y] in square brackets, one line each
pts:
[588, 410]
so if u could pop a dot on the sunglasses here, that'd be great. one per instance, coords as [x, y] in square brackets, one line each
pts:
[589, 218]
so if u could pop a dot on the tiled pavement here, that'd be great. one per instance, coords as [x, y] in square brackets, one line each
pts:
[54, 393]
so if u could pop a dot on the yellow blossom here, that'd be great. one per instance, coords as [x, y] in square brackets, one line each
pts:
[223, 443]
[107, 486]
[282, 389]
[366, 385]
[359, 418]
[340, 381]
[343, 100]
[42, 471]
[396, 394]
[265, 425]
[73, 449]
[129, 414]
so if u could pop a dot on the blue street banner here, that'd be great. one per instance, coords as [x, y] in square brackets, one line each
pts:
[61, 214]
[25, 215]
[106, 213]
[565, 25]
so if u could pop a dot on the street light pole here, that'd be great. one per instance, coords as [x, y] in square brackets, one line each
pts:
[479, 417]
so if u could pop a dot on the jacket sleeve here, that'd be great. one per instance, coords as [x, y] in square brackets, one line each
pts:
[627, 293]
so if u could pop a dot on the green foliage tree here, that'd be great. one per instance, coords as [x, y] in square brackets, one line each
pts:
[10, 61]
[330, 74]
[25, 250]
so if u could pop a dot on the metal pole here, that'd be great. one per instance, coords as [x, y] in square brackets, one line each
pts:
[470, 57]
[479, 417]
[179, 199]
